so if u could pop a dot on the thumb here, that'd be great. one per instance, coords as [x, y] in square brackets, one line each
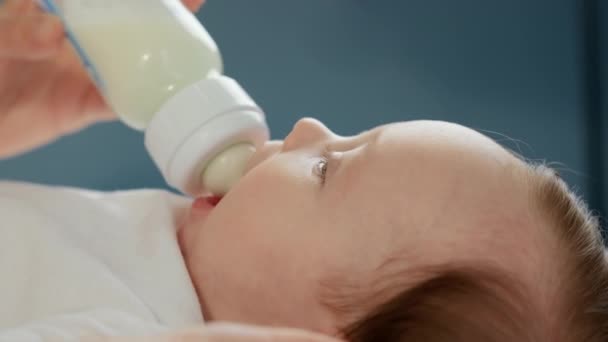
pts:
[193, 5]
[228, 332]
[29, 35]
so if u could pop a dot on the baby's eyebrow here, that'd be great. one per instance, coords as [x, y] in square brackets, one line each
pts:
[368, 136]
[372, 131]
[351, 166]
[346, 168]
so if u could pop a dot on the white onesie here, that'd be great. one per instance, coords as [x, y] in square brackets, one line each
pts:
[76, 262]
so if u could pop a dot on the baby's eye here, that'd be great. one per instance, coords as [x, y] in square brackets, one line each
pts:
[320, 169]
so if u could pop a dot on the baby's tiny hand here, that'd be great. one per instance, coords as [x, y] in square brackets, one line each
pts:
[224, 332]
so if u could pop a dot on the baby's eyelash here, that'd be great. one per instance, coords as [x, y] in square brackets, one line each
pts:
[321, 167]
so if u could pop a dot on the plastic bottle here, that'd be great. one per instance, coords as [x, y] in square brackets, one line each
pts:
[160, 71]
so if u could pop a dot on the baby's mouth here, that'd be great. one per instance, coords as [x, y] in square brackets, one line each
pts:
[202, 206]
[203, 202]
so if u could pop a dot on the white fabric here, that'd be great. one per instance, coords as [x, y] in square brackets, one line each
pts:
[76, 262]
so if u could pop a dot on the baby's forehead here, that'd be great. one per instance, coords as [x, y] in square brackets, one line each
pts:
[435, 149]
[443, 193]
[422, 166]
[422, 170]
[438, 137]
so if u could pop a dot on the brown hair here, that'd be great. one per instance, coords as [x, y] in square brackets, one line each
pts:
[482, 304]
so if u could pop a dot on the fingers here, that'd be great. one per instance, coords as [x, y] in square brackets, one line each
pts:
[28, 33]
[227, 332]
[193, 5]
[32, 35]
[18, 6]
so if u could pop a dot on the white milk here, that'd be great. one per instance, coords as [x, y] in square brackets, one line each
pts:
[143, 65]
[161, 71]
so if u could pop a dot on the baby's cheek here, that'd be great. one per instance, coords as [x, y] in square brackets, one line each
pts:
[256, 191]
[244, 210]
[262, 205]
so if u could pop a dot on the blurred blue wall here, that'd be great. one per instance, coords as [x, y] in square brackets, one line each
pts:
[514, 67]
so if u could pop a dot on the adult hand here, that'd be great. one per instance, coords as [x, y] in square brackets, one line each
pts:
[44, 90]
[224, 332]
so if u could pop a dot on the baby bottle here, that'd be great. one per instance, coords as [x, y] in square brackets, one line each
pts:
[161, 72]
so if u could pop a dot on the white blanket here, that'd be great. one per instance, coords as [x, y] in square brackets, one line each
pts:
[75, 262]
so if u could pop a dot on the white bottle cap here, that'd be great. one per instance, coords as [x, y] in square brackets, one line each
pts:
[197, 124]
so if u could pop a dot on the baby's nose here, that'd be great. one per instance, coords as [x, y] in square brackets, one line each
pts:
[306, 132]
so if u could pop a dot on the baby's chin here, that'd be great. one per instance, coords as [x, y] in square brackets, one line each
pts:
[194, 219]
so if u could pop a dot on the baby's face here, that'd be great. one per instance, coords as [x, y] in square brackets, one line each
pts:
[319, 208]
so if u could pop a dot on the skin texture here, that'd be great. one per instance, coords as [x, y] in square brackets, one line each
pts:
[44, 91]
[224, 332]
[395, 200]
[45, 94]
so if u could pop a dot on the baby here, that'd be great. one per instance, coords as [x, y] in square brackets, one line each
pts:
[417, 231]
[414, 231]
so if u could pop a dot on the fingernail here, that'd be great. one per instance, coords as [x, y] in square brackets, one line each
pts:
[49, 30]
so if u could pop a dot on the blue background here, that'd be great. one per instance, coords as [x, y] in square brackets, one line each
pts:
[534, 71]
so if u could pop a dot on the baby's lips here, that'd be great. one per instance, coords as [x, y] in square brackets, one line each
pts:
[202, 206]
[204, 202]
[213, 200]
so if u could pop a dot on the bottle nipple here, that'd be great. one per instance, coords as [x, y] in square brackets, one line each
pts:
[226, 168]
